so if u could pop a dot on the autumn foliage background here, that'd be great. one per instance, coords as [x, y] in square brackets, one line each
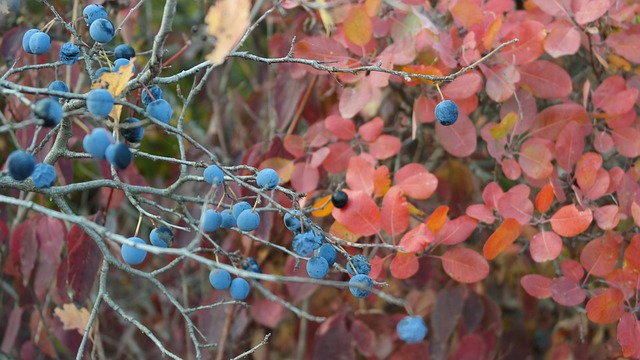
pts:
[513, 233]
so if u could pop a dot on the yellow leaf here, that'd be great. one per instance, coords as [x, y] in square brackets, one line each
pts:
[227, 21]
[283, 166]
[115, 83]
[72, 317]
[618, 62]
[322, 207]
[339, 230]
[358, 27]
[414, 210]
[325, 16]
[502, 129]
[372, 7]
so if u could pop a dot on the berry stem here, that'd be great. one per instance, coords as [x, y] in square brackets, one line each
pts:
[439, 91]
[82, 126]
[106, 209]
[148, 91]
[138, 226]
[177, 54]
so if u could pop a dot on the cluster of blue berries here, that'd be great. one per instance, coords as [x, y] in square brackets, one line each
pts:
[161, 236]
[22, 165]
[220, 279]
[101, 145]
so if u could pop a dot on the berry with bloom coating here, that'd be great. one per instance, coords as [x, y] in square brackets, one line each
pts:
[100, 102]
[43, 176]
[161, 236]
[411, 329]
[49, 111]
[228, 220]
[211, 220]
[304, 243]
[317, 267]
[328, 252]
[39, 43]
[248, 220]
[132, 134]
[25, 40]
[292, 221]
[58, 85]
[239, 207]
[97, 142]
[267, 179]
[102, 31]
[364, 282]
[69, 53]
[220, 279]
[146, 99]
[361, 265]
[94, 12]
[239, 289]
[118, 155]
[124, 51]
[132, 255]
[213, 175]
[20, 164]
[160, 110]
[446, 112]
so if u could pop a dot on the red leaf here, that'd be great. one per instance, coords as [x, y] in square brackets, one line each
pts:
[354, 98]
[503, 237]
[361, 215]
[511, 169]
[607, 307]
[456, 231]
[545, 79]
[295, 145]
[360, 174]
[600, 255]
[627, 141]
[12, 330]
[338, 158]
[305, 177]
[592, 11]
[343, 129]
[322, 48]
[372, 129]
[266, 312]
[569, 146]
[629, 335]
[563, 39]
[459, 139]
[572, 270]
[423, 110]
[535, 159]
[404, 265]
[465, 265]
[83, 262]
[531, 36]
[364, 338]
[395, 213]
[480, 212]
[545, 246]
[408, 171]
[536, 285]
[317, 136]
[417, 239]
[552, 119]
[626, 280]
[567, 292]
[625, 44]
[385, 146]
[557, 8]
[51, 235]
[587, 168]
[491, 194]
[501, 80]
[463, 87]
[317, 158]
[607, 216]
[419, 186]
[632, 254]
[602, 142]
[568, 221]
[470, 347]
[544, 198]
[23, 248]
[516, 206]
[333, 339]
[600, 186]
[613, 97]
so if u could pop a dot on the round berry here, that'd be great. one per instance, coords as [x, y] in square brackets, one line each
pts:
[228, 220]
[25, 40]
[411, 329]
[306, 242]
[161, 236]
[120, 63]
[94, 12]
[118, 155]
[446, 112]
[213, 175]
[97, 142]
[248, 220]
[49, 111]
[211, 220]
[58, 86]
[69, 53]
[160, 110]
[39, 43]
[239, 289]
[21, 164]
[292, 221]
[239, 207]
[102, 31]
[101, 71]
[100, 102]
[132, 134]
[328, 252]
[220, 279]
[251, 264]
[339, 199]
[156, 94]
[267, 179]
[364, 285]
[317, 267]
[124, 51]
[361, 265]
[43, 176]
[132, 255]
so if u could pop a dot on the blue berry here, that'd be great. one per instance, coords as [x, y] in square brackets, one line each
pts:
[220, 279]
[122, 62]
[20, 164]
[211, 220]
[248, 220]
[25, 40]
[328, 252]
[446, 112]
[132, 255]
[267, 179]
[292, 221]
[251, 264]
[124, 51]
[213, 175]
[102, 31]
[306, 242]
[58, 86]
[239, 289]
[69, 53]
[118, 155]
[239, 207]
[100, 102]
[228, 221]
[49, 111]
[43, 176]
[339, 199]
[411, 329]
[317, 267]
[132, 134]
[39, 43]
[94, 12]
[361, 264]
[363, 281]
[101, 71]
[156, 91]
[160, 110]
[161, 236]
[97, 142]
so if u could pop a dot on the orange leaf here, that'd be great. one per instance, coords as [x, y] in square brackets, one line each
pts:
[504, 236]
[381, 181]
[322, 207]
[227, 21]
[492, 32]
[417, 239]
[607, 307]
[569, 221]
[358, 27]
[404, 265]
[465, 265]
[544, 198]
[600, 255]
[339, 230]
[438, 218]
[361, 215]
